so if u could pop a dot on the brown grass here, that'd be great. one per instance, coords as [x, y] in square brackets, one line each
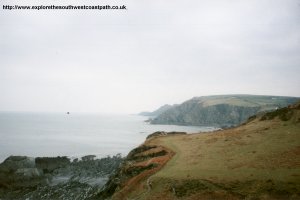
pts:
[258, 160]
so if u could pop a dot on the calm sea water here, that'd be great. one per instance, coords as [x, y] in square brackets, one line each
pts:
[75, 135]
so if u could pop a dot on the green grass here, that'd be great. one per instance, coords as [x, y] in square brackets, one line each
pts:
[267, 102]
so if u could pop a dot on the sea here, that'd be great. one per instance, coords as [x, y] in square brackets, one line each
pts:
[76, 134]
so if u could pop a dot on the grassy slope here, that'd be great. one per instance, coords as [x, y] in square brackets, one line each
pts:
[247, 100]
[257, 160]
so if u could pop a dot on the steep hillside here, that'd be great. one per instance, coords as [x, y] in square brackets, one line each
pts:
[157, 112]
[257, 160]
[221, 110]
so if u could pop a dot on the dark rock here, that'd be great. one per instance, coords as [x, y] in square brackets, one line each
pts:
[88, 158]
[55, 177]
[49, 164]
[14, 163]
[20, 172]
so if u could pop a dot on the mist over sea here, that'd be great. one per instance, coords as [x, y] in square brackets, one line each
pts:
[75, 135]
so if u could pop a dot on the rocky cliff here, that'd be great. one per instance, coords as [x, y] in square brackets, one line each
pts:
[23, 177]
[220, 110]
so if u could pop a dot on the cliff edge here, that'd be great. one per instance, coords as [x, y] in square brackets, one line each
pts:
[256, 160]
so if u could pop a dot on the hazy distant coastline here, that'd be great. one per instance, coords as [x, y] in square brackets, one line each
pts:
[217, 110]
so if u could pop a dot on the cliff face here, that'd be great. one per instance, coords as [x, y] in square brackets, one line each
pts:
[216, 115]
[220, 111]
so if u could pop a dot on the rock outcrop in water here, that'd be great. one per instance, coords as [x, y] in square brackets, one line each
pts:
[23, 177]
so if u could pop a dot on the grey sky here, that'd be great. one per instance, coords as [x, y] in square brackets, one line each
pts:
[154, 53]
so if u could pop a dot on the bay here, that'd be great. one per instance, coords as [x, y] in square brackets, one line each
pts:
[76, 134]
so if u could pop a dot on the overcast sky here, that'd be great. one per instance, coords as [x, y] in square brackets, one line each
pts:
[155, 52]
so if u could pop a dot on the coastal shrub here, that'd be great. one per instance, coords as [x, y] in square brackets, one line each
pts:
[147, 156]
[137, 150]
[253, 117]
[283, 114]
[135, 170]
[188, 187]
